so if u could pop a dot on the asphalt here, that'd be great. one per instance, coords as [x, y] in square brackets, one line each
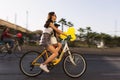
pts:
[95, 51]
[101, 65]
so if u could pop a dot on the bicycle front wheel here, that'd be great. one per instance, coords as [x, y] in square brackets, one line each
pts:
[26, 64]
[77, 69]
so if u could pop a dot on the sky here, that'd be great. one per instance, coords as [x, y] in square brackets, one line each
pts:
[100, 15]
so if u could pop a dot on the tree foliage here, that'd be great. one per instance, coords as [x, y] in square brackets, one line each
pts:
[65, 23]
[91, 37]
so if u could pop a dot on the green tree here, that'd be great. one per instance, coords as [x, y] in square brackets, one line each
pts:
[106, 38]
[70, 24]
[88, 35]
[82, 31]
[93, 37]
[63, 22]
[88, 29]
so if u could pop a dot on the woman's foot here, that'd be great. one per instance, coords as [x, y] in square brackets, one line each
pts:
[44, 67]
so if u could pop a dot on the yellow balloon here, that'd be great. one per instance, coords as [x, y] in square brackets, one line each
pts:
[73, 38]
[70, 31]
[62, 36]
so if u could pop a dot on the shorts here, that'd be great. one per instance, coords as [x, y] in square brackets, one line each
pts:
[53, 40]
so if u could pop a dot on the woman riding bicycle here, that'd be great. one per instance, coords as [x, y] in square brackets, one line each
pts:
[46, 39]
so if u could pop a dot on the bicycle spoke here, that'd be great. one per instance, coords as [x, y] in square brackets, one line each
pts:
[26, 65]
[74, 70]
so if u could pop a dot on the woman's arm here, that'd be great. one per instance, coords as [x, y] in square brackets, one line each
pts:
[56, 29]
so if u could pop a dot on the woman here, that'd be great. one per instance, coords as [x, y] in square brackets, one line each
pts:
[45, 39]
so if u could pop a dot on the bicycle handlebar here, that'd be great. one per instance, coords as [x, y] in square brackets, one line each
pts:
[68, 38]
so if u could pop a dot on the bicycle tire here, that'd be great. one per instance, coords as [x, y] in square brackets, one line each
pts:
[77, 70]
[18, 51]
[3, 51]
[25, 64]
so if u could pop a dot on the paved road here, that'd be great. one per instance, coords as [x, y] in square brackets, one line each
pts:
[99, 67]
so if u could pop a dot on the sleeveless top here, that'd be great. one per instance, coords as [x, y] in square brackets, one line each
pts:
[48, 30]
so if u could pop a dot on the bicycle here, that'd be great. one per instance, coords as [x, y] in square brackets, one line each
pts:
[5, 48]
[74, 64]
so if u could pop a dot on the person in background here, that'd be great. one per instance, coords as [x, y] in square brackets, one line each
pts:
[7, 37]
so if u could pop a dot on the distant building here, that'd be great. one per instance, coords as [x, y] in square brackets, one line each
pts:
[28, 35]
[4, 24]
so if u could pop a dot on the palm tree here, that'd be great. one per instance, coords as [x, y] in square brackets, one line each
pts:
[81, 30]
[70, 24]
[63, 22]
[88, 29]
[88, 35]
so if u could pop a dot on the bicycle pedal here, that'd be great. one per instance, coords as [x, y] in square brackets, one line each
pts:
[50, 66]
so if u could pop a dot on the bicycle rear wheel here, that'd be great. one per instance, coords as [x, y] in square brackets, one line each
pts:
[74, 70]
[18, 51]
[26, 64]
[3, 51]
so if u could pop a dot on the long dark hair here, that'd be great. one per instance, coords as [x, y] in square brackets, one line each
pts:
[50, 14]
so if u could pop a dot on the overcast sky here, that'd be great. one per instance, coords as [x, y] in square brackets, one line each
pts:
[100, 15]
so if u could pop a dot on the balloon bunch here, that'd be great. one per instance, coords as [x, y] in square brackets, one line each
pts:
[71, 32]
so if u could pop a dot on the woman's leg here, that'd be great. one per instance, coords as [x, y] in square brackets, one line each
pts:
[54, 52]
[59, 47]
[52, 49]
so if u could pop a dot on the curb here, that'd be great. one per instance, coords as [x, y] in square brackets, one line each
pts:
[96, 51]
[91, 51]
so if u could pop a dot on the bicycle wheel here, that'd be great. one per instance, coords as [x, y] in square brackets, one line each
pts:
[26, 64]
[18, 51]
[3, 51]
[74, 70]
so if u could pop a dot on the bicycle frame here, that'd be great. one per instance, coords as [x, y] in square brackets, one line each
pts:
[57, 60]
[16, 44]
